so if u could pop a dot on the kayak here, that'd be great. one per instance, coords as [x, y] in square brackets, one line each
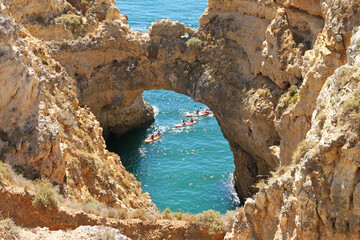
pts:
[186, 124]
[156, 137]
[200, 114]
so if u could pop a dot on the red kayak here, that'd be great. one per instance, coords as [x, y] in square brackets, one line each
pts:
[185, 124]
[200, 114]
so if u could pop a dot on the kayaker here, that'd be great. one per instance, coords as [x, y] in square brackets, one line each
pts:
[184, 122]
[207, 110]
[152, 136]
[191, 120]
[158, 133]
[197, 111]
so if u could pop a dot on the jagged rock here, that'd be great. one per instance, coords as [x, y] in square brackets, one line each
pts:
[241, 62]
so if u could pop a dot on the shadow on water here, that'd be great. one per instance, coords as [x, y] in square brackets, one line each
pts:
[127, 147]
[188, 168]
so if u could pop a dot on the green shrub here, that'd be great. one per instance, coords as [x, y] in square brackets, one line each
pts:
[193, 42]
[46, 195]
[210, 218]
[44, 60]
[71, 20]
[302, 148]
[352, 103]
[8, 229]
[126, 184]
[289, 98]
[263, 92]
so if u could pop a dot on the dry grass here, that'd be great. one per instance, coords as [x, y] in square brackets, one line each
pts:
[8, 229]
[260, 184]
[302, 148]
[9, 176]
[229, 219]
[138, 214]
[167, 214]
[277, 173]
[106, 234]
[5, 172]
[210, 218]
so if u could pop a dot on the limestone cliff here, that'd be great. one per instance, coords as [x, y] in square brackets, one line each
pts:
[45, 134]
[318, 198]
[275, 72]
[243, 57]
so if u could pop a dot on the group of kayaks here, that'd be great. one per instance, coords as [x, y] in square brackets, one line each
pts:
[184, 123]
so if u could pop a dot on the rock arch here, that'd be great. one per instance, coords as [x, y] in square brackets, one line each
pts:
[240, 82]
[116, 66]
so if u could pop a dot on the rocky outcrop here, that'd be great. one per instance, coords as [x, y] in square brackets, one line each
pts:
[238, 70]
[44, 133]
[62, 218]
[275, 73]
[318, 197]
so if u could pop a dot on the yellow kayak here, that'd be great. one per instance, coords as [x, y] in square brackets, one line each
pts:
[156, 137]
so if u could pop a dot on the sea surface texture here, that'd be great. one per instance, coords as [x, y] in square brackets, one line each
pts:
[142, 13]
[187, 168]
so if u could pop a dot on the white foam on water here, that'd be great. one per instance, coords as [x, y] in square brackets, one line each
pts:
[156, 110]
[142, 151]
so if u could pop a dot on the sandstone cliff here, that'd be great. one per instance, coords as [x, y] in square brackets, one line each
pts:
[244, 56]
[44, 133]
[280, 76]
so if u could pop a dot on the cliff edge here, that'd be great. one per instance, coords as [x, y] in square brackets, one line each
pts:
[280, 76]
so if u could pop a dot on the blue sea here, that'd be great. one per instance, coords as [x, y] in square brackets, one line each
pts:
[188, 169]
[142, 13]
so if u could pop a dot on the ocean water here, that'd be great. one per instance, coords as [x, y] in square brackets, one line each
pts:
[142, 13]
[187, 169]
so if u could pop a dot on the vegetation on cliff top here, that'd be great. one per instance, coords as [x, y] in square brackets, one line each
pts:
[193, 42]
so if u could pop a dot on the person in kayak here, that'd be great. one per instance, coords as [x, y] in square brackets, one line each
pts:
[207, 110]
[158, 133]
[191, 120]
[152, 136]
[197, 111]
[183, 122]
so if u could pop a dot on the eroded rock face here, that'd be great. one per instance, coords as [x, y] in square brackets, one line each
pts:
[245, 55]
[318, 198]
[274, 73]
[46, 134]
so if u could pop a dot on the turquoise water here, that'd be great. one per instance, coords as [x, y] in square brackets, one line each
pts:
[188, 168]
[142, 13]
